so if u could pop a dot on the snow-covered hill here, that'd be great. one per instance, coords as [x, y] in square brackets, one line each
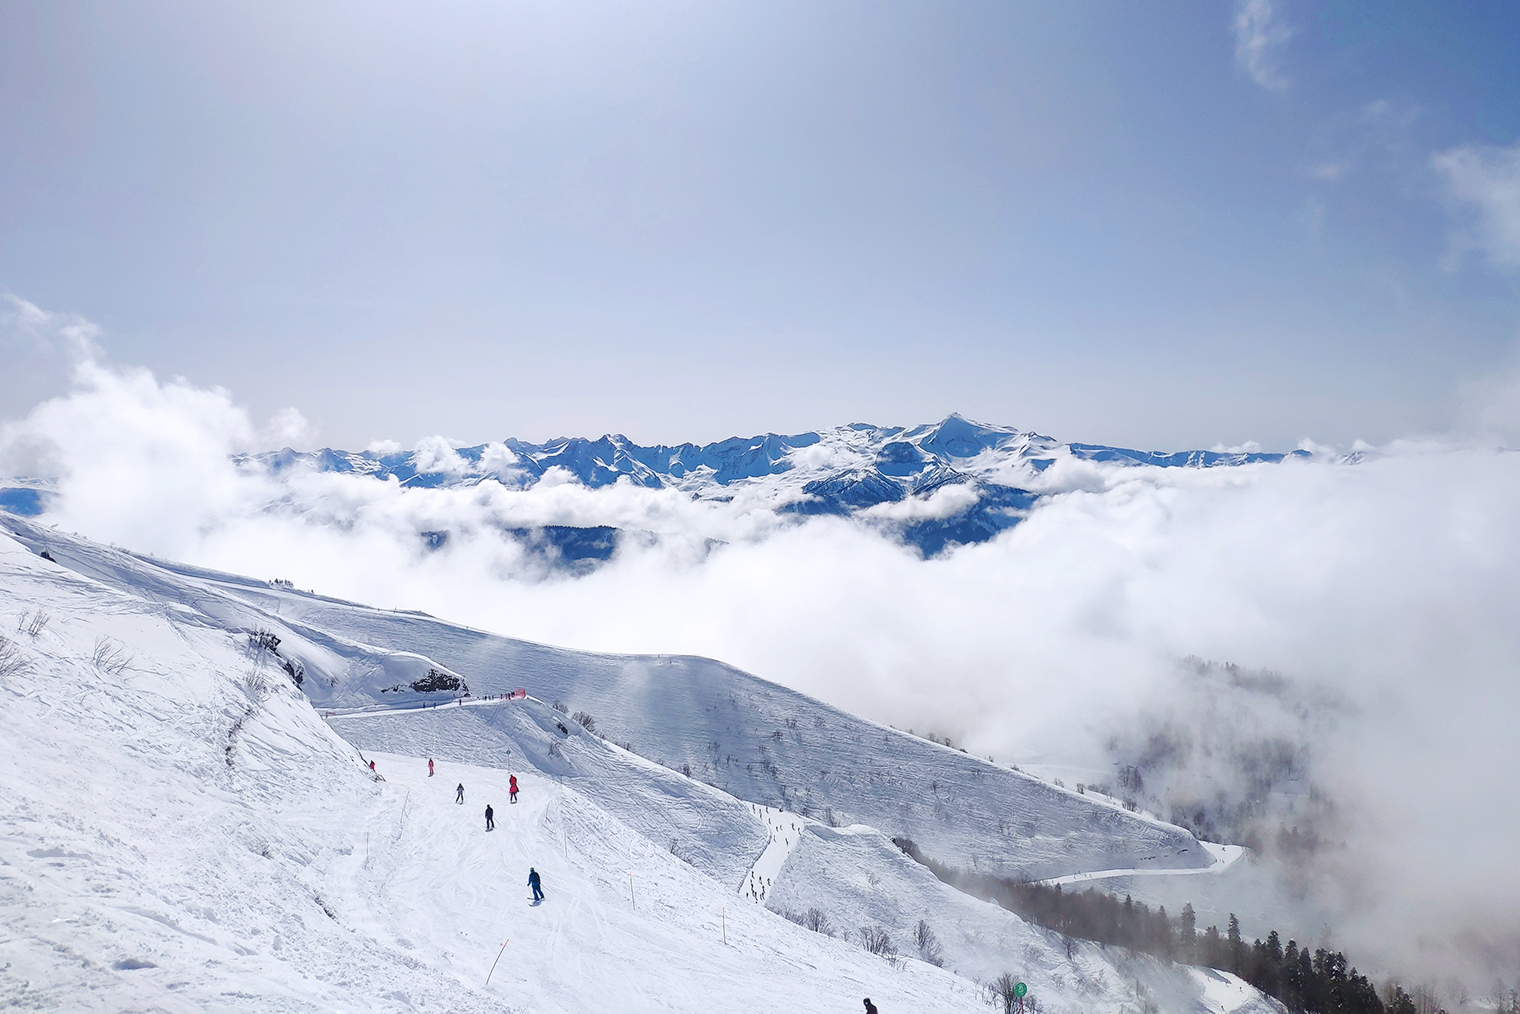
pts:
[746, 736]
[181, 830]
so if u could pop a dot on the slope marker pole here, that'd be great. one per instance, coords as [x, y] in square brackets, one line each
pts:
[498, 958]
[631, 896]
[723, 915]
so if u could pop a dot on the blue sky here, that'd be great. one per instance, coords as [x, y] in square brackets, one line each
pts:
[1182, 227]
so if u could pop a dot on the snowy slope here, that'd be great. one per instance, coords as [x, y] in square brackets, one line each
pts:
[180, 830]
[743, 735]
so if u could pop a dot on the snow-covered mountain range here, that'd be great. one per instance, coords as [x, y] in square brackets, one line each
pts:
[952, 482]
[191, 821]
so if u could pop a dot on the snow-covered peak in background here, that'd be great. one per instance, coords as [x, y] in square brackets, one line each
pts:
[895, 478]
[904, 455]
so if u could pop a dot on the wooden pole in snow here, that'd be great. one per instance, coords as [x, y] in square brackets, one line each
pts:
[498, 958]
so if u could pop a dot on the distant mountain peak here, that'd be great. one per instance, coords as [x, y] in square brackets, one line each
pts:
[851, 470]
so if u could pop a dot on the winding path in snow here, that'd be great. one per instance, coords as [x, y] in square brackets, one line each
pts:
[1225, 856]
[785, 830]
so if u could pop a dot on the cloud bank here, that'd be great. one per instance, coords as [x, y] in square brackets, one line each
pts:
[1387, 587]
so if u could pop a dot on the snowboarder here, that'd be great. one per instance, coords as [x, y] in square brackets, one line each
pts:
[533, 882]
[870, 1007]
[430, 767]
[490, 818]
[459, 794]
[512, 788]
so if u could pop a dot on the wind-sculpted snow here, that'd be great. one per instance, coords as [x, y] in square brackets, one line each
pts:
[750, 738]
[180, 830]
[845, 471]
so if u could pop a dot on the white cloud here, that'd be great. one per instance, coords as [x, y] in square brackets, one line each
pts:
[945, 502]
[437, 455]
[1486, 180]
[1259, 34]
[498, 460]
[288, 427]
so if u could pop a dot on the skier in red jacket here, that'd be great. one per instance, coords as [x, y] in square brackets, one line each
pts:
[430, 767]
[512, 789]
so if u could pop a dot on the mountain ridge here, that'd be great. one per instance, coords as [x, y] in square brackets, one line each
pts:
[857, 470]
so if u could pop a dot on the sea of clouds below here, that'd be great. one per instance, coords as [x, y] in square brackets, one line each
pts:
[1390, 585]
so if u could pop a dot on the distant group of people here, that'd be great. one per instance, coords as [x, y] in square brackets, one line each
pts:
[534, 880]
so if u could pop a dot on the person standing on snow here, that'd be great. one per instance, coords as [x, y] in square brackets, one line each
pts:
[533, 882]
[430, 767]
[459, 793]
[870, 1007]
[512, 789]
[372, 765]
[490, 818]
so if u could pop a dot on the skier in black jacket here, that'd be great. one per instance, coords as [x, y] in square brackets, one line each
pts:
[533, 882]
[459, 793]
[490, 818]
[870, 1007]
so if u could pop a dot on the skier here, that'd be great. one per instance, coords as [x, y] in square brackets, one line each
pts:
[513, 788]
[538, 892]
[459, 793]
[430, 767]
[372, 765]
[870, 1007]
[490, 818]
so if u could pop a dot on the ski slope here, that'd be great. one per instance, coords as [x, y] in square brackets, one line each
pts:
[750, 738]
[785, 830]
[180, 830]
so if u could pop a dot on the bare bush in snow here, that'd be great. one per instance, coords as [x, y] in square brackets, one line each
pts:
[584, 719]
[33, 623]
[878, 942]
[261, 641]
[928, 944]
[12, 662]
[110, 657]
[789, 915]
[256, 687]
[813, 919]
[1003, 995]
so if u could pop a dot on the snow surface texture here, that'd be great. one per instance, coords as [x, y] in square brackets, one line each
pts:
[950, 483]
[743, 735]
[180, 830]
